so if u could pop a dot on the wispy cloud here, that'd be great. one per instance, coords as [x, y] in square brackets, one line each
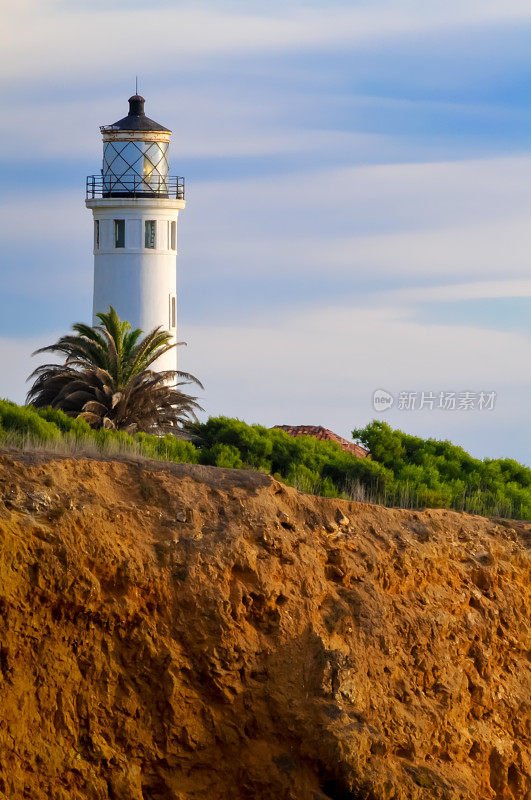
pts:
[60, 33]
[426, 221]
[477, 290]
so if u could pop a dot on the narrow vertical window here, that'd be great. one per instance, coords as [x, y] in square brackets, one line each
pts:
[97, 234]
[119, 232]
[173, 235]
[150, 233]
[173, 311]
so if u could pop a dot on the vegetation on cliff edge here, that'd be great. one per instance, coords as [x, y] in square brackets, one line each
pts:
[404, 470]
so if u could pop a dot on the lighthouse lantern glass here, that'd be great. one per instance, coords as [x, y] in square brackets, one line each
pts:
[135, 167]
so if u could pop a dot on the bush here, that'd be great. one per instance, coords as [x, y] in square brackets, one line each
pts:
[75, 426]
[441, 474]
[222, 455]
[26, 424]
[304, 479]
[253, 442]
[167, 448]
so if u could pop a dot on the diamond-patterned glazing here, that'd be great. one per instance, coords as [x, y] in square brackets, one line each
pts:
[135, 168]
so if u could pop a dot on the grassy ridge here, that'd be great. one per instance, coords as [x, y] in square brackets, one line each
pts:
[404, 470]
[26, 426]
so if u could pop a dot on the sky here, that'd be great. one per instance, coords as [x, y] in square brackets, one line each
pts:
[358, 183]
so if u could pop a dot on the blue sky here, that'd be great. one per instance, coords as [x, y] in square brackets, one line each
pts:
[359, 198]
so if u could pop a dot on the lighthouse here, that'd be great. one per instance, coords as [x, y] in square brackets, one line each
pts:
[135, 204]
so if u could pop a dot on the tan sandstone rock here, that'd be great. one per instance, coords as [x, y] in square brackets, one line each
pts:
[249, 653]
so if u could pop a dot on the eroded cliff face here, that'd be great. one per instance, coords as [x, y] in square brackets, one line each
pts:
[182, 632]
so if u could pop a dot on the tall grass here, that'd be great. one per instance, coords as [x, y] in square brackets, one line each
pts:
[28, 428]
[408, 496]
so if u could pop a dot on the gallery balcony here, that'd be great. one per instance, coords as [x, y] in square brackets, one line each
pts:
[100, 186]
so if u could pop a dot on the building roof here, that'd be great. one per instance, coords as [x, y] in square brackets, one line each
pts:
[323, 434]
[136, 119]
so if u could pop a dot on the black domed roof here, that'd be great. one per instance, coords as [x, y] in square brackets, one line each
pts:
[136, 120]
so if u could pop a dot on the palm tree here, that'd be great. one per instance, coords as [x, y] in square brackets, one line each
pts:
[107, 379]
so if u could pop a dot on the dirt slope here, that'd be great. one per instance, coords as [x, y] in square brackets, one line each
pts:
[189, 632]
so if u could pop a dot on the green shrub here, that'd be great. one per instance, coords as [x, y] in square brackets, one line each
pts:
[222, 455]
[167, 448]
[26, 423]
[304, 479]
[438, 473]
[253, 442]
[74, 426]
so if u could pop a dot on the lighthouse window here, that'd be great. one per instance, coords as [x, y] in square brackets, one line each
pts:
[119, 232]
[173, 311]
[97, 234]
[150, 233]
[173, 235]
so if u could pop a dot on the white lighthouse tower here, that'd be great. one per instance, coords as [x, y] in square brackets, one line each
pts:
[135, 204]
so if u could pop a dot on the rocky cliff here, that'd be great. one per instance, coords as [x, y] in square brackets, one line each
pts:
[183, 632]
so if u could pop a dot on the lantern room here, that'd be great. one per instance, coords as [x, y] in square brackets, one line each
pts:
[135, 158]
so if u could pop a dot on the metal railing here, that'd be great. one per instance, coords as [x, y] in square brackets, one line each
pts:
[170, 186]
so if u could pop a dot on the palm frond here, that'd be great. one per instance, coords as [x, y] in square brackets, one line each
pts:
[108, 379]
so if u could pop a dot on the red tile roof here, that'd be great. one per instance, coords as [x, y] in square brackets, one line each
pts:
[324, 434]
